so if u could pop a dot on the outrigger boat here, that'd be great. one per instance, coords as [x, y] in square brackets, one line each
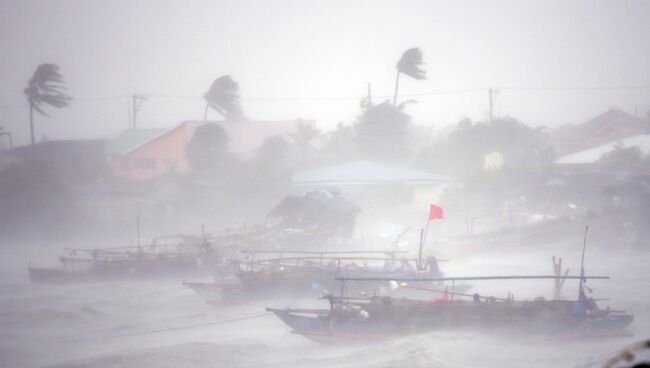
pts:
[308, 273]
[379, 317]
[166, 255]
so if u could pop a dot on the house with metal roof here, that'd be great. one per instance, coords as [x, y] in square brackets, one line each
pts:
[593, 155]
[366, 173]
[610, 126]
[141, 154]
[384, 192]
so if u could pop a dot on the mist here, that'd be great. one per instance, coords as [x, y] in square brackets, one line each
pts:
[291, 183]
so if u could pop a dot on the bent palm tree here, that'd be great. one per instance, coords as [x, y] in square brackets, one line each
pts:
[409, 64]
[45, 87]
[223, 97]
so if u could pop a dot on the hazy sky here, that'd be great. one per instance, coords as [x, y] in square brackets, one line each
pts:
[313, 59]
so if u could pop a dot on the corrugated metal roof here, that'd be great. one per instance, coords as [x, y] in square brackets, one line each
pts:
[131, 139]
[592, 155]
[362, 172]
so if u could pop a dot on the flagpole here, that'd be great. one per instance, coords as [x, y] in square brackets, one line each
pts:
[438, 214]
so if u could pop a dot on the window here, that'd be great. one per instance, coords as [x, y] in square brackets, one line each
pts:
[145, 163]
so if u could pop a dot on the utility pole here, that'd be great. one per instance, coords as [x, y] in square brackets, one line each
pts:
[369, 96]
[137, 102]
[492, 94]
[8, 134]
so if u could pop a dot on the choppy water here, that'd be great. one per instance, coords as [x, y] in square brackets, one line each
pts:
[104, 324]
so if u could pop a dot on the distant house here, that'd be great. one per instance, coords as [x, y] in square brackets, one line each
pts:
[608, 127]
[593, 155]
[325, 209]
[142, 154]
[353, 174]
[385, 192]
[493, 161]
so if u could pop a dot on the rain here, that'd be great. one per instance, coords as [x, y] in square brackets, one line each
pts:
[324, 184]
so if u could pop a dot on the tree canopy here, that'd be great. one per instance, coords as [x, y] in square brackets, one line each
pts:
[208, 148]
[223, 97]
[383, 132]
[409, 64]
[45, 87]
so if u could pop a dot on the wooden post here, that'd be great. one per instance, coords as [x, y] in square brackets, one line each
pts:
[559, 283]
[453, 284]
[137, 219]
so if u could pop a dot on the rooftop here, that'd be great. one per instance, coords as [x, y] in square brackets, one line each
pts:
[131, 139]
[592, 155]
[366, 172]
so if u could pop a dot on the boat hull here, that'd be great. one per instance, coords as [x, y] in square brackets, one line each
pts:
[116, 270]
[387, 320]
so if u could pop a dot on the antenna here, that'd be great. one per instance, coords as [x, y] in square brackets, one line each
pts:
[582, 266]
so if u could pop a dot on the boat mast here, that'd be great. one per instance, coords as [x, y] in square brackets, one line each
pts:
[420, 263]
[582, 267]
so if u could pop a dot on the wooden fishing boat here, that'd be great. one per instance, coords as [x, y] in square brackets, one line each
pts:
[167, 255]
[386, 317]
[309, 273]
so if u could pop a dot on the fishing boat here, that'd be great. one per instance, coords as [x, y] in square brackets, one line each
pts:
[381, 317]
[308, 273]
[166, 255]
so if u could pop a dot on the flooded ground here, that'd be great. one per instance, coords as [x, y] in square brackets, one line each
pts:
[149, 323]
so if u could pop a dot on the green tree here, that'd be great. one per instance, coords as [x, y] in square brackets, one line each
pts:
[274, 151]
[341, 143]
[45, 88]
[383, 132]
[624, 158]
[409, 64]
[463, 151]
[304, 134]
[223, 97]
[208, 148]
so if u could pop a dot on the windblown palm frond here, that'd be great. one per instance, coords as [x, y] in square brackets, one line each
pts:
[223, 96]
[46, 87]
[410, 63]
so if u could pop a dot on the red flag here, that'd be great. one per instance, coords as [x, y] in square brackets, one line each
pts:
[435, 212]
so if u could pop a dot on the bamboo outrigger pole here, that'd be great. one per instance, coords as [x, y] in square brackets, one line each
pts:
[473, 278]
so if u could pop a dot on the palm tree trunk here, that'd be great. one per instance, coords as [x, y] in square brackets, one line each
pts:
[396, 87]
[205, 113]
[31, 122]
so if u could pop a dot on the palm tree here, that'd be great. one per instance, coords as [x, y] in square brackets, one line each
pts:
[409, 64]
[304, 134]
[223, 96]
[45, 87]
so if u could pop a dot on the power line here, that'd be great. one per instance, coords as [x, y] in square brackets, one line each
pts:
[422, 94]
[355, 98]
[75, 100]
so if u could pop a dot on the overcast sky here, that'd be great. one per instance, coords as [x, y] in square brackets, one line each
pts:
[313, 59]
